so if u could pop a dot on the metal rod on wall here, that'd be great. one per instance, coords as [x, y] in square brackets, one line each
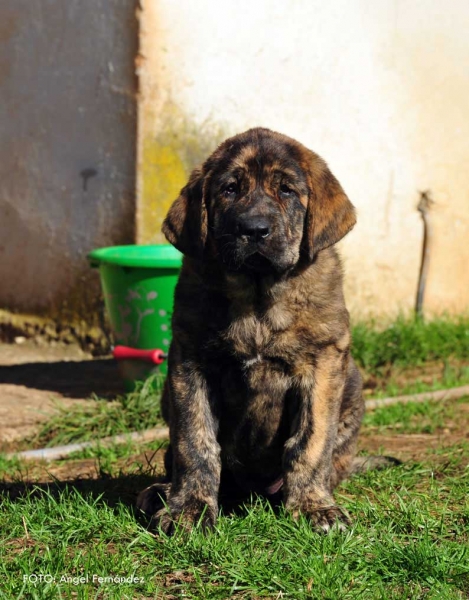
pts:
[424, 209]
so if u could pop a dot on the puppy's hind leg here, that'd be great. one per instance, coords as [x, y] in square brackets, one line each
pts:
[351, 415]
[153, 498]
[344, 459]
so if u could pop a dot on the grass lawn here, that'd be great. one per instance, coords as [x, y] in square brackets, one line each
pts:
[65, 524]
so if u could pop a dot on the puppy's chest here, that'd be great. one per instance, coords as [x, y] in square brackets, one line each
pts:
[255, 339]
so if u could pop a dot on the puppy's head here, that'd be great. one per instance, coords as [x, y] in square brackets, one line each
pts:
[260, 202]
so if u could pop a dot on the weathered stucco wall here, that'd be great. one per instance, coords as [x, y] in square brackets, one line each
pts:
[379, 89]
[67, 148]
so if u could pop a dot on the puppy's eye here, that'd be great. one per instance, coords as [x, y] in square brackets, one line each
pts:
[285, 190]
[230, 191]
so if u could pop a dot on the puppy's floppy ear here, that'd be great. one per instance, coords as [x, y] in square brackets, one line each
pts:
[185, 226]
[330, 214]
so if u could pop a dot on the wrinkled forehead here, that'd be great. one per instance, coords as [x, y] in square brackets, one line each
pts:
[260, 160]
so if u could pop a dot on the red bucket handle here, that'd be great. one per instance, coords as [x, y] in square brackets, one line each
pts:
[155, 356]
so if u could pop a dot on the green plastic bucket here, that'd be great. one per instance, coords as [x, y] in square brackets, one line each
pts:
[138, 285]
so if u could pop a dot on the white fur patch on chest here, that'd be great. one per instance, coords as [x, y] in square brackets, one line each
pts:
[252, 361]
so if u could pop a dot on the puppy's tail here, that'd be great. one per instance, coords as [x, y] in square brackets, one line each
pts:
[361, 464]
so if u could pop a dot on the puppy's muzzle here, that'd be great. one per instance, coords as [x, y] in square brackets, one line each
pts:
[253, 228]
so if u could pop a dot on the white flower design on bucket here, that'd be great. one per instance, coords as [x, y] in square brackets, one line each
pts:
[132, 295]
[141, 316]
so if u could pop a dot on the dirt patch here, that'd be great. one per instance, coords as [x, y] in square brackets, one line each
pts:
[91, 468]
[33, 379]
[23, 409]
[412, 446]
[418, 446]
[403, 377]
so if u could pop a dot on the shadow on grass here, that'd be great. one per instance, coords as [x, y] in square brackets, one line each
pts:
[73, 379]
[124, 489]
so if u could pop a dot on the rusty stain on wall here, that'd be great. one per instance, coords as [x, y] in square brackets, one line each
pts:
[166, 159]
[170, 142]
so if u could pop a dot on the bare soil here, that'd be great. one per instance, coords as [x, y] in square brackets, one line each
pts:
[404, 376]
[418, 446]
[34, 378]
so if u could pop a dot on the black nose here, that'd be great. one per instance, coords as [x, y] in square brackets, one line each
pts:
[255, 228]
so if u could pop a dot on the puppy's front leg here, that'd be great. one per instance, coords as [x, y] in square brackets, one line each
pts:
[308, 453]
[196, 453]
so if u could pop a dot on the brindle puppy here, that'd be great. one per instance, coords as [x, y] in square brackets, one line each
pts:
[261, 383]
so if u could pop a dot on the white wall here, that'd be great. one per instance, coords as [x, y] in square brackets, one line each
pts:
[379, 88]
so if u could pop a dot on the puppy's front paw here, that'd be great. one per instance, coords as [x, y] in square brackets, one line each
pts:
[324, 518]
[186, 515]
